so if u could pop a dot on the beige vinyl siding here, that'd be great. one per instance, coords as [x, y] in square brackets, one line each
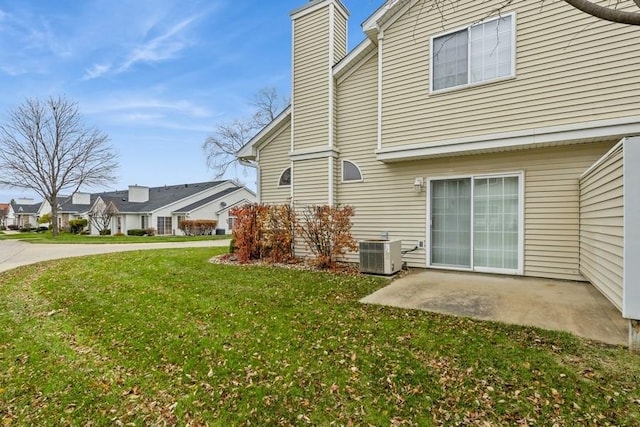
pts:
[602, 226]
[340, 34]
[558, 49]
[311, 180]
[311, 80]
[385, 202]
[273, 159]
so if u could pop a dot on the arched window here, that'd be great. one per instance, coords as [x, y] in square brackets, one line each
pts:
[285, 178]
[350, 172]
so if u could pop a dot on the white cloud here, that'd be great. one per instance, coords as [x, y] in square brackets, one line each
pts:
[160, 48]
[96, 71]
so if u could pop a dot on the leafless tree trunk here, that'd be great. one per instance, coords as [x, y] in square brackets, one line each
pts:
[45, 147]
[101, 216]
[221, 147]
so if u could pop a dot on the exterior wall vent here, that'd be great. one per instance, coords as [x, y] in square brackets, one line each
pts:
[380, 256]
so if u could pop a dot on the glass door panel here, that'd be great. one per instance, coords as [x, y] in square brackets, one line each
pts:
[496, 223]
[451, 223]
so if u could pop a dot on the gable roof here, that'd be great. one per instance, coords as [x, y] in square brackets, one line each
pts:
[26, 209]
[206, 200]
[158, 197]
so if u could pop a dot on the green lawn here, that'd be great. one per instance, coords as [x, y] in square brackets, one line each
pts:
[47, 237]
[163, 337]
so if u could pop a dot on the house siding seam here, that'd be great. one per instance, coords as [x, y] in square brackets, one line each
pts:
[553, 62]
[602, 226]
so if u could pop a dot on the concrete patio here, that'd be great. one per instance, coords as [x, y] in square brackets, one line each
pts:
[576, 307]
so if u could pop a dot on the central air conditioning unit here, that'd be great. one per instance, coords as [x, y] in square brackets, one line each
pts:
[380, 256]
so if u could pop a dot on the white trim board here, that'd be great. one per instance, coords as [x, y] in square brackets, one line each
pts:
[530, 138]
[631, 278]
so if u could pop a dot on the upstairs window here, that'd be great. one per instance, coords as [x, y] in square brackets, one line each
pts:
[285, 178]
[476, 54]
[350, 172]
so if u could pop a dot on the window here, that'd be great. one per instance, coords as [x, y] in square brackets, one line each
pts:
[350, 171]
[164, 225]
[231, 222]
[144, 221]
[476, 54]
[285, 177]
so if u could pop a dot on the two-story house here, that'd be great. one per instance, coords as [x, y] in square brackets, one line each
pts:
[491, 139]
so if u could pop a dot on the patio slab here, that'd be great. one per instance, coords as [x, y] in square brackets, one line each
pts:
[576, 307]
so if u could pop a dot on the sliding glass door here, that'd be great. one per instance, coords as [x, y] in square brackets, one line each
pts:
[475, 223]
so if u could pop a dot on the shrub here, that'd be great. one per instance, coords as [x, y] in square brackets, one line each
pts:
[2, 228]
[247, 231]
[45, 219]
[327, 232]
[150, 231]
[278, 234]
[136, 232]
[13, 227]
[232, 246]
[77, 225]
[25, 228]
[105, 232]
[197, 227]
[42, 229]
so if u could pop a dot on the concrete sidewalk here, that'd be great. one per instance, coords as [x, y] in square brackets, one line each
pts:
[14, 253]
[576, 307]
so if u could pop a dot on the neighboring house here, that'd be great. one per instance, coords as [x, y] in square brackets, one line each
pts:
[160, 208]
[496, 144]
[25, 212]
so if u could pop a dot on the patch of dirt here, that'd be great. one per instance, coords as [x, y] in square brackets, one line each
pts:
[297, 264]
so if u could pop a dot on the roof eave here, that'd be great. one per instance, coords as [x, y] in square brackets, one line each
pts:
[248, 151]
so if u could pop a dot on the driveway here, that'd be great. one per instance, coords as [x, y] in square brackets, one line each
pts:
[575, 307]
[14, 253]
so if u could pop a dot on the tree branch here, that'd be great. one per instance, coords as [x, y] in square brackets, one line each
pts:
[608, 14]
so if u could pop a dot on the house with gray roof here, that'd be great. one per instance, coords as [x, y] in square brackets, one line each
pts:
[161, 208]
[25, 212]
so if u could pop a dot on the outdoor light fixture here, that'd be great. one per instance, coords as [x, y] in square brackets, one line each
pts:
[418, 183]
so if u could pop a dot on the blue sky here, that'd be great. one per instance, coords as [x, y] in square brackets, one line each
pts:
[155, 75]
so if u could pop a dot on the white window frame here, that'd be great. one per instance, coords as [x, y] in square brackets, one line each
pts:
[521, 228]
[468, 29]
[290, 177]
[350, 180]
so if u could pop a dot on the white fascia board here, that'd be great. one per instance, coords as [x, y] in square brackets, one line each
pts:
[556, 135]
[631, 251]
[248, 151]
[353, 58]
[384, 16]
[318, 4]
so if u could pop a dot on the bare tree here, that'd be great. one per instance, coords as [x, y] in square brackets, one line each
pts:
[101, 215]
[613, 12]
[221, 147]
[45, 147]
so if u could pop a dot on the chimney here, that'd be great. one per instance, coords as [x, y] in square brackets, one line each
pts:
[25, 201]
[138, 194]
[319, 41]
[81, 199]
